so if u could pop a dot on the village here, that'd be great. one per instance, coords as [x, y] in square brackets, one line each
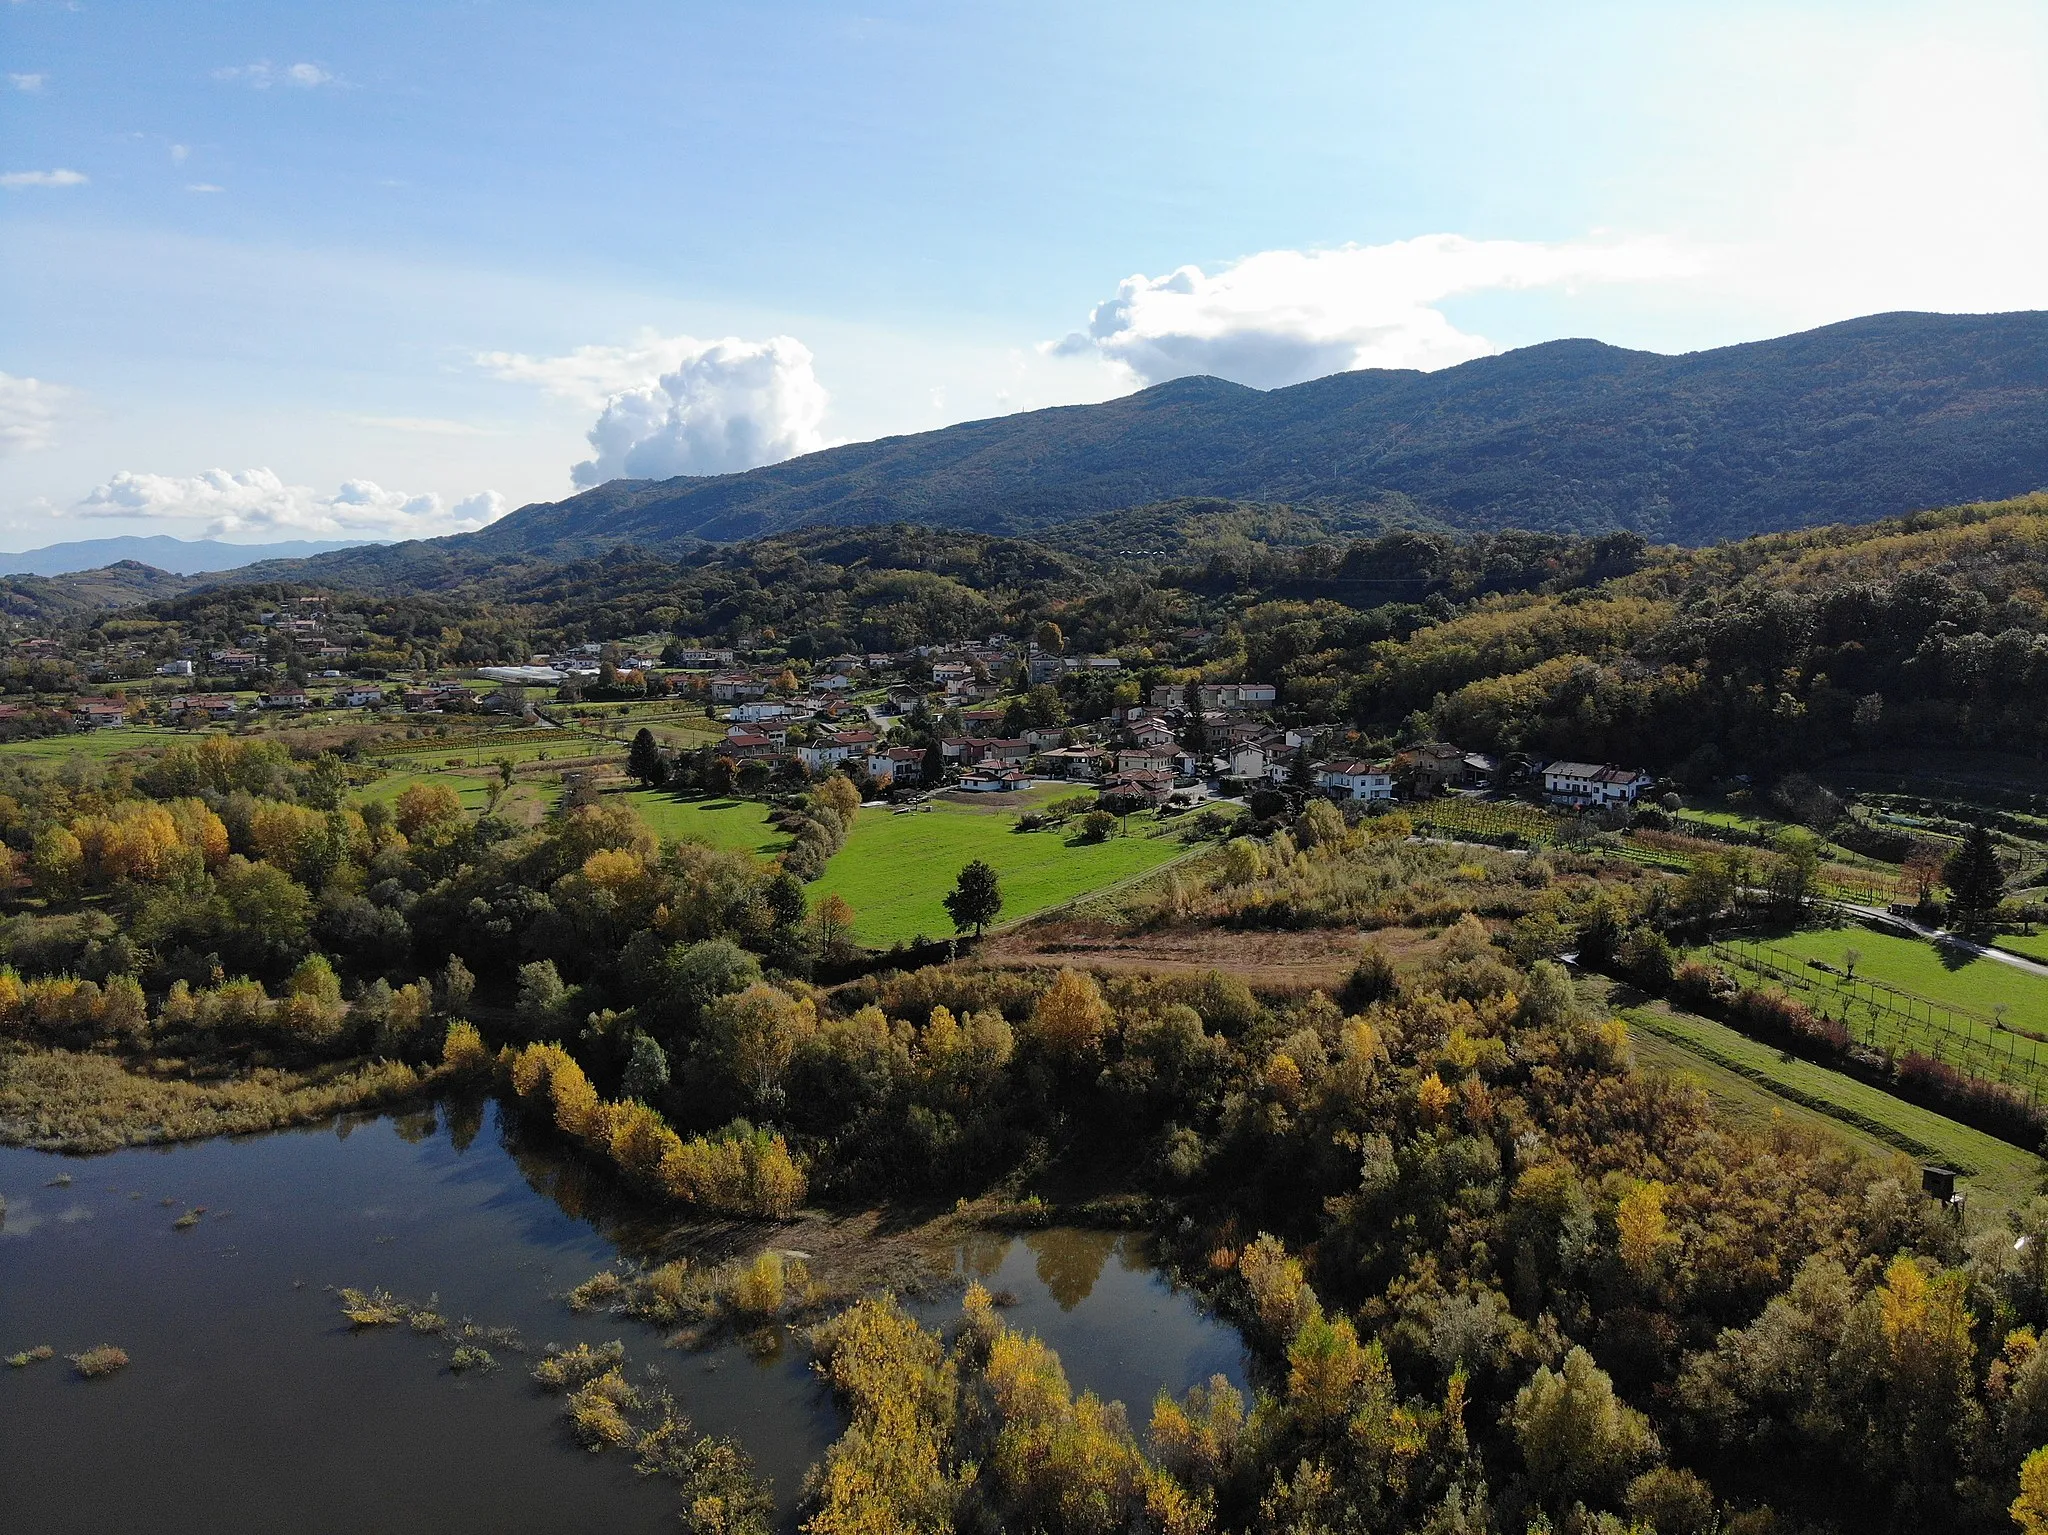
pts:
[995, 716]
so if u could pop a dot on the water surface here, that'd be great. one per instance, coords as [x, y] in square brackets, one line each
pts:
[251, 1407]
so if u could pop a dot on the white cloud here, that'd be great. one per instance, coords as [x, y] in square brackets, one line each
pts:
[26, 82]
[1283, 316]
[203, 186]
[14, 181]
[28, 413]
[263, 74]
[259, 501]
[671, 405]
[179, 153]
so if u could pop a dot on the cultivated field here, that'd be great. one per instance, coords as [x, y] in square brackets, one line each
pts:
[1980, 1016]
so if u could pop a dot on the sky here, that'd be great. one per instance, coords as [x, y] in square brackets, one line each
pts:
[379, 270]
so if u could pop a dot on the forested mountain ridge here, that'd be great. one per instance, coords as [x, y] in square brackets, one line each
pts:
[1870, 418]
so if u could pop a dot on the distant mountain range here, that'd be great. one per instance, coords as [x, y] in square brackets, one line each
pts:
[1867, 419]
[181, 556]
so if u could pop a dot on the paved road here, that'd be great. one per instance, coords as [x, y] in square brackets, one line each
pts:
[1952, 940]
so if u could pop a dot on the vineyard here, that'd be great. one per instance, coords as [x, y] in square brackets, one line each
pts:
[1504, 821]
[1895, 1021]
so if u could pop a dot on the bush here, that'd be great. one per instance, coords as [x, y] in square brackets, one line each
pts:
[99, 1361]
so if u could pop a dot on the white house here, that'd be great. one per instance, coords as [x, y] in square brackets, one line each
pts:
[1245, 761]
[830, 751]
[1592, 783]
[1356, 779]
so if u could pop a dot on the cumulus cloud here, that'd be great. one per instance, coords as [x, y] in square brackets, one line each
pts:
[203, 186]
[263, 74]
[179, 153]
[259, 501]
[1283, 316]
[14, 181]
[676, 405]
[29, 409]
[30, 83]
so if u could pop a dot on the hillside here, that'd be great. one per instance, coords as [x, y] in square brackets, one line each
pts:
[46, 600]
[1866, 419]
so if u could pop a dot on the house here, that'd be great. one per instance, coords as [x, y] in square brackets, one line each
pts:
[1003, 781]
[212, 706]
[1045, 737]
[289, 698]
[1153, 735]
[1245, 761]
[703, 658]
[904, 762]
[756, 712]
[362, 696]
[829, 751]
[1591, 783]
[99, 713]
[965, 748]
[1082, 762]
[982, 719]
[236, 660]
[175, 669]
[1354, 779]
[1145, 759]
[1009, 753]
[744, 745]
[733, 687]
[904, 700]
[1148, 788]
[831, 682]
[1431, 767]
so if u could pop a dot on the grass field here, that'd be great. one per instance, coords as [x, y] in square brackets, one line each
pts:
[1753, 1081]
[895, 869]
[2030, 945]
[1945, 975]
[733, 823]
[94, 745]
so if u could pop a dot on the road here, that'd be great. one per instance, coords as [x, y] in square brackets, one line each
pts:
[1942, 935]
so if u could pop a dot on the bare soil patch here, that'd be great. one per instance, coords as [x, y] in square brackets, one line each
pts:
[1280, 961]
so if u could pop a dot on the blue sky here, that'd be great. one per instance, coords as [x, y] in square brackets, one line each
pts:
[276, 270]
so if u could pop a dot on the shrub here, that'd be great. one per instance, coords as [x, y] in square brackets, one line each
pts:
[566, 1369]
[462, 1048]
[99, 1361]
[29, 1356]
[597, 1412]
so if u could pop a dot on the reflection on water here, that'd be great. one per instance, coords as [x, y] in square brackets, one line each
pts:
[250, 1407]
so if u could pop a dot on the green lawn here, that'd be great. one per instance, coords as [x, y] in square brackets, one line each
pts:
[2030, 945]
[896, 869]
[731, 823]
[474, 791]
[1753, 1080]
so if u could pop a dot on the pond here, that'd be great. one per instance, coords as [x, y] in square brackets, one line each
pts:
[250, 1406]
